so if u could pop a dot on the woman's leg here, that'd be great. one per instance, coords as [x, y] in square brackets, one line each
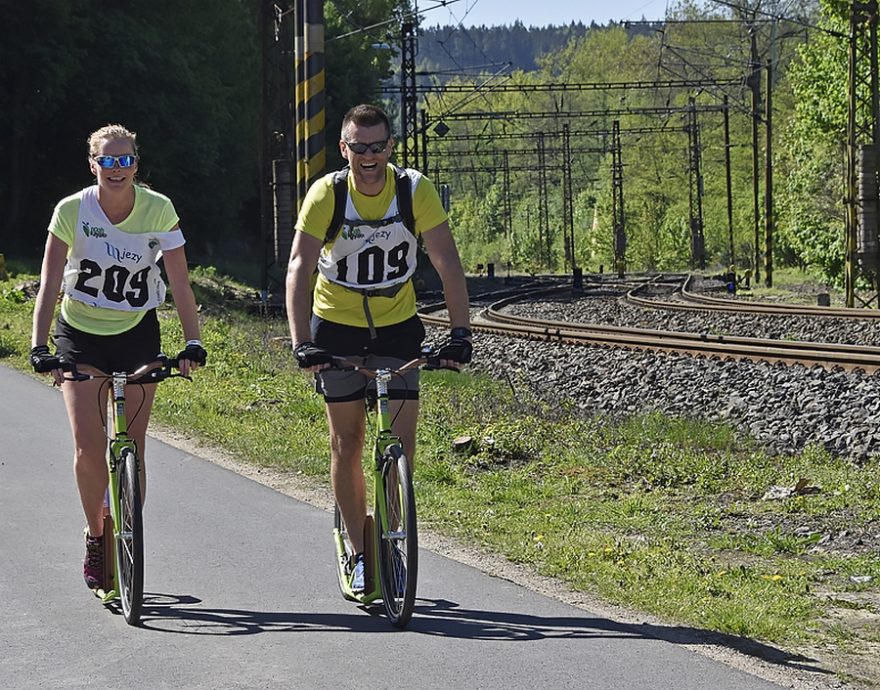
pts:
[138, 406]
[86, 403]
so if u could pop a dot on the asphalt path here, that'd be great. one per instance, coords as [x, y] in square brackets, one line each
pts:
[241, 593]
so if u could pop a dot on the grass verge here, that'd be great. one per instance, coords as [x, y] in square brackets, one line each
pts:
[666, 515]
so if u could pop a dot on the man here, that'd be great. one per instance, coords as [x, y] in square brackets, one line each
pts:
[363, 304]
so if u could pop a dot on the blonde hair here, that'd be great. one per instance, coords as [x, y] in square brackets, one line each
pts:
[110, 133]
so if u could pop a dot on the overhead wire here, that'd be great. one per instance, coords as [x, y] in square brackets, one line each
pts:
[779, 17]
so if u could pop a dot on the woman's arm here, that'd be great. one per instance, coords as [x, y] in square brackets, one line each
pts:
[184, 299]
[51, 273]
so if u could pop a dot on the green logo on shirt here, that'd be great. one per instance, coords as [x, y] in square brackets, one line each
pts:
[351, 233]
[90, 231]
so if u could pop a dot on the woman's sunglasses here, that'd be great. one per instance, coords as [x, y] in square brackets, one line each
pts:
[124, 161]
[375, 147]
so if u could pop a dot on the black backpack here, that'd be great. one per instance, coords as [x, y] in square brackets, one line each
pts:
[340, 198]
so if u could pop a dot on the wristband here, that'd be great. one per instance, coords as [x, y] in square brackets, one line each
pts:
[460, 332]
[194, 341]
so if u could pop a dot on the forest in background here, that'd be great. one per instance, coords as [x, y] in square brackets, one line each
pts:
[801, 47]
[188, 81]
[186, 77]
[448, 50]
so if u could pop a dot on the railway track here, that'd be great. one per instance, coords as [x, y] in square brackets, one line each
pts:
[694, 301]
[492, 319]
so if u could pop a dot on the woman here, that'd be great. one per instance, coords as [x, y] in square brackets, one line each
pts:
[103, 245]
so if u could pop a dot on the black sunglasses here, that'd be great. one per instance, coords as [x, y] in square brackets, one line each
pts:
[375, 147]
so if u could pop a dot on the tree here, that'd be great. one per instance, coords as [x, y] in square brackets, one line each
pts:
[180, 76]
[185, 77]
[813, 157]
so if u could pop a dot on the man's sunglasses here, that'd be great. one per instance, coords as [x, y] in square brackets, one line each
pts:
[124, 161]
[375, 147]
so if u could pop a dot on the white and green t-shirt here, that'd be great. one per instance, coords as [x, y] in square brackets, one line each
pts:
[112, 278]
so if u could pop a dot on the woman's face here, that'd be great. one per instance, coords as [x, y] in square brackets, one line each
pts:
[114, 165]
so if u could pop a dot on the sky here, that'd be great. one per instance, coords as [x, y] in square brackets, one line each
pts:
[538, 12]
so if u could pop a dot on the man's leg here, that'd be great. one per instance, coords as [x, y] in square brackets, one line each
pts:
[405, 414]
[347, 424]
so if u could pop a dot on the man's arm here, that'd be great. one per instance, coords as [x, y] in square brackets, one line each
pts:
[304, 255]
[444, 257]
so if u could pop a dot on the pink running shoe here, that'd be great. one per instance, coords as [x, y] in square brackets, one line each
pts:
[93, 563]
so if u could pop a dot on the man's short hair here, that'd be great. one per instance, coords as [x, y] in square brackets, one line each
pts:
[365, 115]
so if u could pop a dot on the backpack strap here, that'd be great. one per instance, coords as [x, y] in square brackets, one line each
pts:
[403, 190]
[404, 198]
[340, 197]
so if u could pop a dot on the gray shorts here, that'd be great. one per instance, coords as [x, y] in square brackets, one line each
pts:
[345, 386]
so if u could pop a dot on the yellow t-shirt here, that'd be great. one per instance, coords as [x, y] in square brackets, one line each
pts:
[152, 213]
[339, 304]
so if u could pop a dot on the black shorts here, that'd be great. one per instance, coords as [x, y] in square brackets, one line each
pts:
[402, 340]
[110, 353]
[393, 346]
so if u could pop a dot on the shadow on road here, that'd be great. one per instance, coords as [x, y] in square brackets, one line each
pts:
[484, 624]
[184, 615]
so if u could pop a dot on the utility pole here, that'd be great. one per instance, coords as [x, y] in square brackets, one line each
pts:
[265, 21]
[862, 246]
[543, 206]
[314, 90]
[508, 210]
[408, 94]
[754, 82]
[768, 181]
[695, 189]
[310, 116]
[617, 215]
[299, 124]
[278, 115]
[424, 138]
[567, 199]
[730, 241]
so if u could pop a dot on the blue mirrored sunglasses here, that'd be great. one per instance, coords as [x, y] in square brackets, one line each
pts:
[124, 161]
[375, 147]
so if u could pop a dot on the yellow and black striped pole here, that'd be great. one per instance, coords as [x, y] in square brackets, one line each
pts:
[299, 68]
[310, 138]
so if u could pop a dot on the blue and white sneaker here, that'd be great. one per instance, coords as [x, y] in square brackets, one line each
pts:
[357, 574]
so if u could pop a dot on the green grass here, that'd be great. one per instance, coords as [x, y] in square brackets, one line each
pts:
[662, 514]
[796, 286]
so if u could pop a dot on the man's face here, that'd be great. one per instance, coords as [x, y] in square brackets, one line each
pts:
[368, 166]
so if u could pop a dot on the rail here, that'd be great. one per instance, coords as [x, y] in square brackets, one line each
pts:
[829, 356]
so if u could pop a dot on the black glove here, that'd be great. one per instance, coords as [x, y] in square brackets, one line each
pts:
[458, 350]
[310, 355]
[194, 353]
[42, 361]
